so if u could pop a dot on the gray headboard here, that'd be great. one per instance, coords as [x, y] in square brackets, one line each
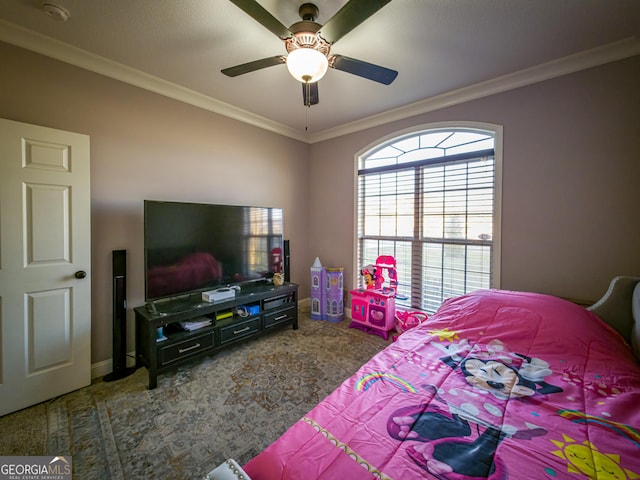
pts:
[620, 308]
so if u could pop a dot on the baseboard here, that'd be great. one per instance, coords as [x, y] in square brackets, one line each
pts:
[304, 304]
[100, 369]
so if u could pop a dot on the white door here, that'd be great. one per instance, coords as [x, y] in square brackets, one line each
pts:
[45, 259]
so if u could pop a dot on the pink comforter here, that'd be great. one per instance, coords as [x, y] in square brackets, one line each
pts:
[495, 385]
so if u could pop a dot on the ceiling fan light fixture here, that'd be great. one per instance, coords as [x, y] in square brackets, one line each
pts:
[307, 65]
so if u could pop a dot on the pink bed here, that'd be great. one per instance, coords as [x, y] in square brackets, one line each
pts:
[495, 385]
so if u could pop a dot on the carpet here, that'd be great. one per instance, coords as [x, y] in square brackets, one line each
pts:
[231, 404]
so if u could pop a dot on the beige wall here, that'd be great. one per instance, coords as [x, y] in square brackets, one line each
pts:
[145, 146]
[571, 186]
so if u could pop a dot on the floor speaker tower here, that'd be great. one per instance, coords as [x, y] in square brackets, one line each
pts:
[119, 286]
[287, 261]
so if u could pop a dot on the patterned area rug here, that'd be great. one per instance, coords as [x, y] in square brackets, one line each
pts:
[232, 404]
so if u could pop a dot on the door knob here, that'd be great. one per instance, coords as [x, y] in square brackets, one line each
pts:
[80, 274]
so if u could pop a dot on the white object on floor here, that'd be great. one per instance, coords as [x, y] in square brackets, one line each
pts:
[229, 470]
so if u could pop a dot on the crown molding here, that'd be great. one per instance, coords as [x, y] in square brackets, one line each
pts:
[620, 50]
[30, 40]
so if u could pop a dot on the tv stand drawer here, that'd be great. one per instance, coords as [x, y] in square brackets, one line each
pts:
[186, 348]
[239, 329]
[286, 315]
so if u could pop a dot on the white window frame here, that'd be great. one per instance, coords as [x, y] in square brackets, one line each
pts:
[487, 128]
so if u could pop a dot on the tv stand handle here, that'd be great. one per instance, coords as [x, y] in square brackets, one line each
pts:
[236, 332]
[192, 347]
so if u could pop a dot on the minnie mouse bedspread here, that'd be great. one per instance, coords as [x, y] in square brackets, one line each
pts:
[496, 385]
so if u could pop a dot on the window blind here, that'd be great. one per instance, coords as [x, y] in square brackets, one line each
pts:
[436, 217]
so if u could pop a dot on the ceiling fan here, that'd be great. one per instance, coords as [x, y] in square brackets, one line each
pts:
[309, 44]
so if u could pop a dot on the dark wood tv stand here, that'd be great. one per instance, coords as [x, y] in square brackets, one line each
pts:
[270, 306]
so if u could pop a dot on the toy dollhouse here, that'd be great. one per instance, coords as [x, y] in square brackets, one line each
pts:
[373, 308]
[318, 274]
[327, 292]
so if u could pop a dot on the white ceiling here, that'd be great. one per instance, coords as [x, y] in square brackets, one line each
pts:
[444, 50]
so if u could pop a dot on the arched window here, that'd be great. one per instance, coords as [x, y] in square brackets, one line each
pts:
[429, 198]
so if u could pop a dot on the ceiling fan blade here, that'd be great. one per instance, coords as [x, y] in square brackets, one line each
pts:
[363, 69]
[253, 66]
[310, 94]
[352, 14]
[263, 17]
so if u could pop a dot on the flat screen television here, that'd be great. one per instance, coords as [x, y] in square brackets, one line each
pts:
[191, 247]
